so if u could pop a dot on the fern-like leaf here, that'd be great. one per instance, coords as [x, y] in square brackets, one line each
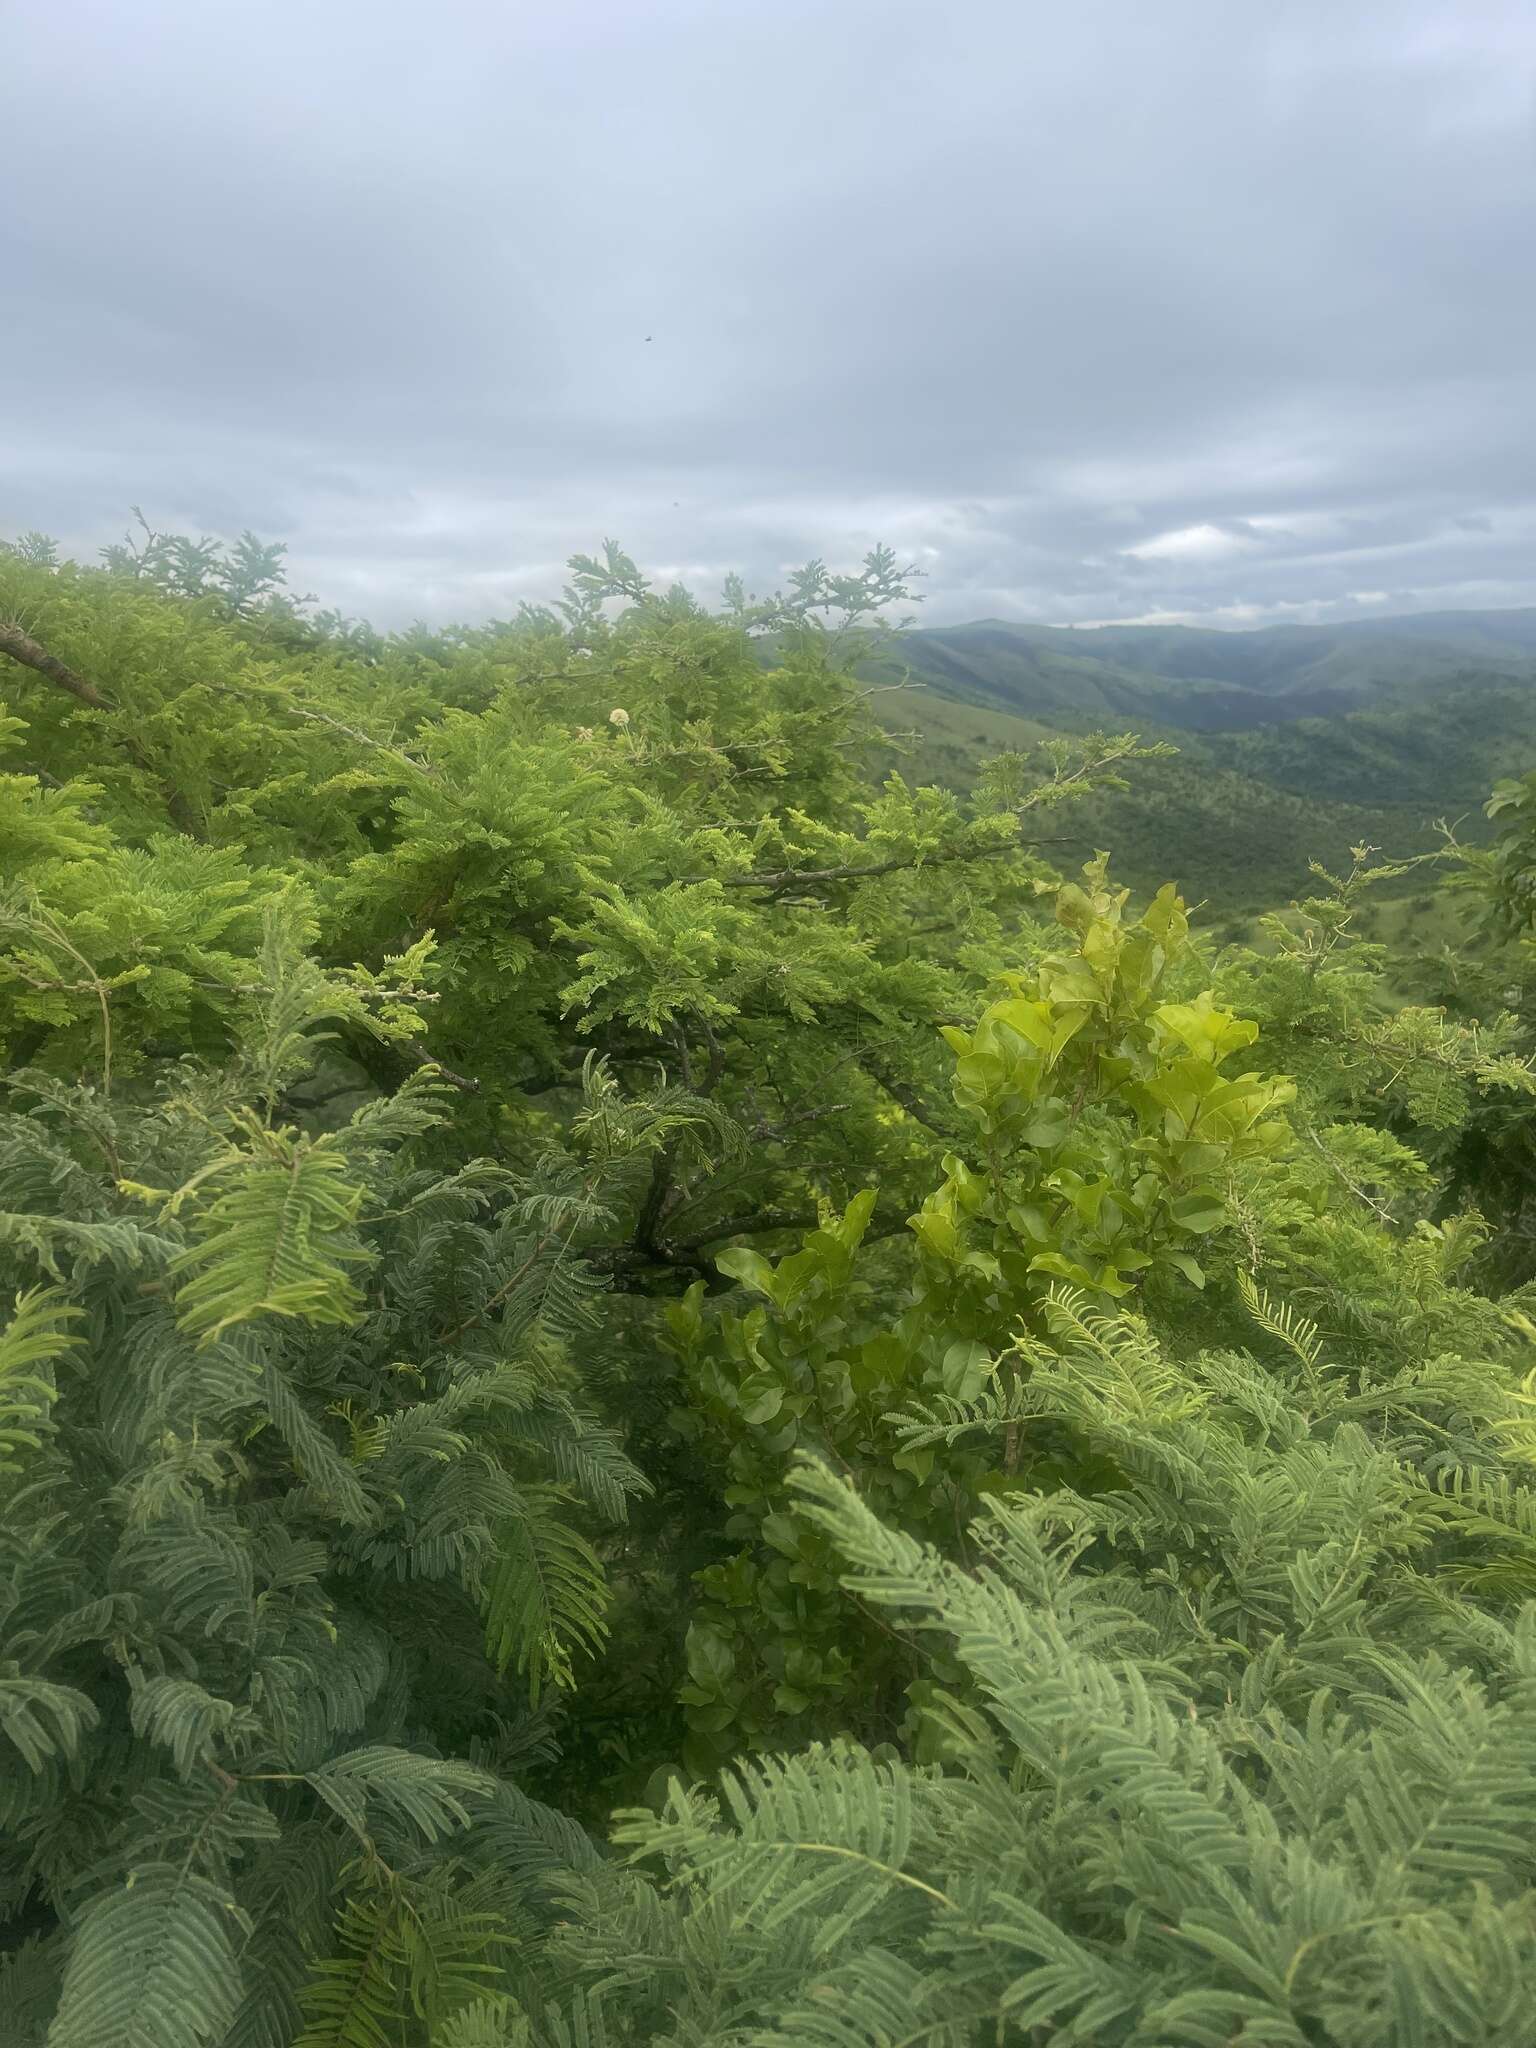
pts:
[488, 2023]
[546, 1596]
[425, 1791]
[42, 1719]
[183, 1717]
[36, 1335]
[352, 1999]
[152, 1965]
[1299, 1336]
[29, 1988]
[277, 1241]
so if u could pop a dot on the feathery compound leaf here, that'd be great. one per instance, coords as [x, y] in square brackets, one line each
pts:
[220, 1824]
[428, 1792]
[876, 1996]
[199, 1572]
[276, 1242]
[354, 1998]
[488, 2023]
[546, 1596]
[29, 1988]
[291, 1893]
[409, 1956]
[42, 1719]
[584, 2023]
[191, 1723]
[587, 1457]
[1282, 1322]
[35, 1337]
[151, 1965]
[47, 1240]
[822, 1838]
[329, 1476]
[377, 1130]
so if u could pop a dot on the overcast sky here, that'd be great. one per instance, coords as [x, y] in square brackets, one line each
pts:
[1219, 309]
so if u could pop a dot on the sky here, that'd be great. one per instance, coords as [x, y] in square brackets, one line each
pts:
[1220, 311]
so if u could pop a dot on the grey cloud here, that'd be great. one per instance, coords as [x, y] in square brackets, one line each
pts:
[1192, 310]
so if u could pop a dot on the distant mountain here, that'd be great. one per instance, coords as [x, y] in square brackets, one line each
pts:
[1197, 680]
[1295, 742]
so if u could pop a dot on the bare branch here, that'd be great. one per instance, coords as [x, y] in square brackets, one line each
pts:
[780, 881]
[763, 1129]
[30, 653]
[696, 1254]
[22, 647]
[465, 1083]
[351, 732]
[906, 1097]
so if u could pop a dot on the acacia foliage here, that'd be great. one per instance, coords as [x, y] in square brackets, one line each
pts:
[567, 1246]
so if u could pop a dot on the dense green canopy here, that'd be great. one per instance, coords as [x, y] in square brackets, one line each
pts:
[572, 1242]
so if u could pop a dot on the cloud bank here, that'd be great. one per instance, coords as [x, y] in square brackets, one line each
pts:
[1190, 311]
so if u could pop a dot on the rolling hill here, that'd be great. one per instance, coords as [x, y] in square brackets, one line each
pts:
[1199, 680]
[1295, 743]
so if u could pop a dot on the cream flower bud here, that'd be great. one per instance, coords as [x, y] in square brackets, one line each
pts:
[618, 718]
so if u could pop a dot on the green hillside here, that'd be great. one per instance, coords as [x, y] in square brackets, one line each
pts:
[1417, 718]
[1034, 672]
[1234, 837]
[1202, 680]
[1440, 751]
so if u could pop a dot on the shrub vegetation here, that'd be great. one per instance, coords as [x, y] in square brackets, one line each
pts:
[658, 1388]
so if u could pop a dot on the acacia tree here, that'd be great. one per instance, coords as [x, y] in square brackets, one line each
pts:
[482, 1108]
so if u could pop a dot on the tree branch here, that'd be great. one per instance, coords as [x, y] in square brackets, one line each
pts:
[295, 710]
[1094, 771]
[764, 1129]
[465, 1083]
[905, 1097]
[22, 647]
[651, 1209]
[694, 1251]
[779, 881]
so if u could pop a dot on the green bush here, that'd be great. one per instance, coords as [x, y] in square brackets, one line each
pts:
[570, 1244]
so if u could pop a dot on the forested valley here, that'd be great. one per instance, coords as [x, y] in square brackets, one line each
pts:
[664, 1380]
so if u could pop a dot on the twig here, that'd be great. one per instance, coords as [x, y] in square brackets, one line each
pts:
[39, 921]
[350, 732]
[1347, 1180]
[775, 881]
[465, 1083]
[907, 1098]
[480, 1314]
[766, 1130]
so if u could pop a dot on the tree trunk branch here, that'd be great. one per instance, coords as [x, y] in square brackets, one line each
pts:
[22, 647]
[30, 653]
